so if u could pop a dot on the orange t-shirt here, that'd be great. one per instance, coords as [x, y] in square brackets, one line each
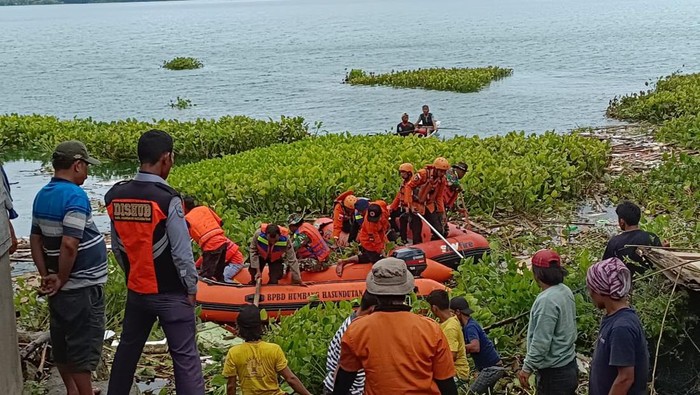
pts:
[402, 353]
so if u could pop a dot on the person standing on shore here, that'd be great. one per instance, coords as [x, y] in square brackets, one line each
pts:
[71, 257]
[551, 332]
[628, 216]
[151, 243]
[11, 379]
[621, 358]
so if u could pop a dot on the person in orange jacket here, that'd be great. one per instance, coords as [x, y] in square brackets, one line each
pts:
[400, 215]
[345, 219]
[372, 236]
[425, 194]
[311, 249]
[221, 258]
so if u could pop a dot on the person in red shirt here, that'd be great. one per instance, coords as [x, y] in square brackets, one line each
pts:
[400, 352]
[219, 254]
[372, 236]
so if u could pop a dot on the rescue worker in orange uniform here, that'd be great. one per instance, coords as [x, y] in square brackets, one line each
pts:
[401, 216]
[425, 194]
[312, 251]
[221, 258]
[271, 246]
[372, 236]
[346, 221]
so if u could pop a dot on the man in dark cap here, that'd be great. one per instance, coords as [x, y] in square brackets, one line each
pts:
[255, 364]
[71, 256]
[372, 236]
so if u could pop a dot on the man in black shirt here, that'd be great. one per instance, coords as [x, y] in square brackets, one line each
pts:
[426, 121]
[628, 215]
[405, 128]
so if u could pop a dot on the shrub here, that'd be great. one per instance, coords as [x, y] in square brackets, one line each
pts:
[116, 140]
[181, 103]
[511, 172]
[683, 131]
[182, 63]
[442, 79]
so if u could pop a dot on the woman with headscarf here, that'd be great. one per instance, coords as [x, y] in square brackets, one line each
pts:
[621, 358]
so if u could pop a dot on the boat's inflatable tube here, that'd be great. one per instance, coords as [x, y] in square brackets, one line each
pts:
[222, 302]
[468, 243]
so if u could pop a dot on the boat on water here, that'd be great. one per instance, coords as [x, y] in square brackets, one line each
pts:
[468, 243]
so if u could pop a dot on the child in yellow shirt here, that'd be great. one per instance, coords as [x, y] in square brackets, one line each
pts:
[255, 364]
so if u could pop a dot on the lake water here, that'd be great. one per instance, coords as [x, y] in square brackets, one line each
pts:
[267, 58]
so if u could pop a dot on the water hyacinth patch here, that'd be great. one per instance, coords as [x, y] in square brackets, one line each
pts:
[512, 172]
[116, 140]
[182, 63]
[443, 79]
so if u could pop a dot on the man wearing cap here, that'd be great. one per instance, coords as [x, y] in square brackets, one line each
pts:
[551, 332]
[151, 242]
[400, 352]
[405, 128]
[255, 364]
[311, 249]
[71, 256]
[486, 359]
[372, 236]
[621, 358]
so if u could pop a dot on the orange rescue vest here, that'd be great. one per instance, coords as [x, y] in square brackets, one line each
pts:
[278, 250]
[203, 224]
[316, 248]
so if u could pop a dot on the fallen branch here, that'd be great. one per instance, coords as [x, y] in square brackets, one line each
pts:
[34, 345]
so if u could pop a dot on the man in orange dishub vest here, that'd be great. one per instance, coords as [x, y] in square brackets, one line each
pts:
[428, 185]
[221, 258]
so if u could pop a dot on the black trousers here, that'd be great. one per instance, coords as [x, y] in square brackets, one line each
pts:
[276, 270]
[558, 381]
[213, 263]
[352, 228]
[406, 219]
[435, 219]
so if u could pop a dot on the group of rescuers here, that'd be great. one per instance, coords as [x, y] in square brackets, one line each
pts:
[426, 193]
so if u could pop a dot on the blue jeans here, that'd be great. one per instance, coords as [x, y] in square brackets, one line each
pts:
[175, 314]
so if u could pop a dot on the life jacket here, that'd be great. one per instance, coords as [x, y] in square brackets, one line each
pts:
[372, 235]
[203, 224]
[276, 252]
[430, 190]
[316, 248]
[426, 120]
[139, 211]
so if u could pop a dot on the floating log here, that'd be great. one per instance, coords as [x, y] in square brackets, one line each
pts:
[673, 262]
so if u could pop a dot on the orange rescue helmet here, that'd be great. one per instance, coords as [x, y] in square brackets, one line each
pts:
[441, 164]
[349, 201]
[407, 167]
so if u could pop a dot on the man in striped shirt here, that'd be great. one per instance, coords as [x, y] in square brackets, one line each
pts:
[367, 304]
[71, 256]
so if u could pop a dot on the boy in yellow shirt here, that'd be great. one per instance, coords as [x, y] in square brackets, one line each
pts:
[255, 364]
[439, 302]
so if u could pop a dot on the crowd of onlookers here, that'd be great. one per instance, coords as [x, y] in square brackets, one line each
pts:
[382, 348]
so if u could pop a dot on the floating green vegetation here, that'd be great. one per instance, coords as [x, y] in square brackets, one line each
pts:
[202, 138]
[181, 103]
[514, 172]
[441, 79]
[183, 63]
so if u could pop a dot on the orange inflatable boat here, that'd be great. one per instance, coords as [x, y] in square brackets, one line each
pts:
[222, 302]
[415, 259]
[468, 243]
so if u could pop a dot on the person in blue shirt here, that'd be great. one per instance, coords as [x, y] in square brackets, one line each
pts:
[621, 358]
[486, 359]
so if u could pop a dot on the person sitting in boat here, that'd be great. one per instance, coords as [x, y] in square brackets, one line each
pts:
[426, 123]
[255, 365]
[405, 128]
[453, 177]
[221, 258]
[271, 246]
[346, 221]
[372, 236]
[400, 215]
[425, 194]
[311, 250]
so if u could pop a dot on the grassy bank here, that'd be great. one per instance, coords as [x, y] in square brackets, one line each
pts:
[461, 80]
[199, 139]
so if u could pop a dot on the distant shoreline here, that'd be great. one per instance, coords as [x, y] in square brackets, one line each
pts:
[9, 3]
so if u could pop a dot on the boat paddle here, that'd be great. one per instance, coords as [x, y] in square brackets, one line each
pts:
[440, 236]
[258, 285]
